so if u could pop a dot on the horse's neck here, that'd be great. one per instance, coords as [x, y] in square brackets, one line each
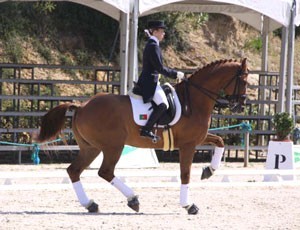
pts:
[212, 81]
[203, 89]
[202, 104]
[197, 102]
[206, 89]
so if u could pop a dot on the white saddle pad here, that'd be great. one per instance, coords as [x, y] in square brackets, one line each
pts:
[142, 111]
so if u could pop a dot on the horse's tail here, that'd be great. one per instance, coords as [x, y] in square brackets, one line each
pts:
[53, 121]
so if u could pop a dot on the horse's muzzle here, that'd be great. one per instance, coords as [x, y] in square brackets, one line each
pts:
[237, 108]
[243, 99]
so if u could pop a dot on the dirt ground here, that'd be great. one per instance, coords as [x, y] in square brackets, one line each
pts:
[221, 207]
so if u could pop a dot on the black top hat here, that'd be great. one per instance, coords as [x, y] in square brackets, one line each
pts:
[156, 24]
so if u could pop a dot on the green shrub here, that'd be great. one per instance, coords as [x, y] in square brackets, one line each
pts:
[65, 60]
[45, 52]
[254, 45]
[283, 125]
[13, 49]
[174, 34]
[83, 58]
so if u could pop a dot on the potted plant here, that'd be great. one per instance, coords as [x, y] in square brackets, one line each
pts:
[281, 150]
[283, 125]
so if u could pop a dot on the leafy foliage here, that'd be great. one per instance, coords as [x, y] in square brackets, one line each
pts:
[13, 49]
[49, 22]
[283, 124]
[254, 44]
[173, 34]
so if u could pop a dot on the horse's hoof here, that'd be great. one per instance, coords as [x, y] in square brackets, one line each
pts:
[134, 203]
[92, 207]
[207, 172]
[192, 209]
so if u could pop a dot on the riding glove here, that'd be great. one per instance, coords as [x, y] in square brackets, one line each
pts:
[180, 75]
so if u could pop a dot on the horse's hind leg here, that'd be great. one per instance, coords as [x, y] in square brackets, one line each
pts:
[208, 171]
[111, 156]
[85, 157]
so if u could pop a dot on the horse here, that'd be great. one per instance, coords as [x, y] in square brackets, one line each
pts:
[105, 123]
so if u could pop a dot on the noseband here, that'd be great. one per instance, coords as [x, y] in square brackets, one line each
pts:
[232, 101]
[235, 96]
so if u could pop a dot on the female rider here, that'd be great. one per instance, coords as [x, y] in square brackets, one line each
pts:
[148, 81]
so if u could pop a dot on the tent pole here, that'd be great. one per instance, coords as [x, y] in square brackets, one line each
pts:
[265, 38]
[133, 67]
[264, 68]
[282, 73]
[290, 68]
[124, 40]
[264, 61]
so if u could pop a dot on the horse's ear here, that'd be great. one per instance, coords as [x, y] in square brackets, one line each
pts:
[243, 61]
[244, 65]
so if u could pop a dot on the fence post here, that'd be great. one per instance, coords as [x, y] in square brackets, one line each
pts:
[20, 157]
[246, 152]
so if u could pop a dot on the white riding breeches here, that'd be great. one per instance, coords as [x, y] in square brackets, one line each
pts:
[160, 96]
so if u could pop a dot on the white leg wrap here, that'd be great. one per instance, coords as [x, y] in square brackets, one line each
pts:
[184, 195]
[216, 158]
[123, 188]
[82, 197]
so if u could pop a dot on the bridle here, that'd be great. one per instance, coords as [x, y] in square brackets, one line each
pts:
[220, 98]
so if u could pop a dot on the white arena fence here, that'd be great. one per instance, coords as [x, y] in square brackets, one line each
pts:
[57, 180]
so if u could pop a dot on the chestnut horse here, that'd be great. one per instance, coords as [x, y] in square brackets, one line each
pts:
[105, 123]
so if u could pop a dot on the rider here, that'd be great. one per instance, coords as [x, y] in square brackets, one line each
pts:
[148, 80]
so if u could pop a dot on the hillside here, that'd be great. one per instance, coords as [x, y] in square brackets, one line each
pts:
[211, 42]
[37, 33]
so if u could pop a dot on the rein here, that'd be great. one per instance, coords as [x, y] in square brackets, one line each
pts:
[212, 95]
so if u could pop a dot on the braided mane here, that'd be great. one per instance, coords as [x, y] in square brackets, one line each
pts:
[212, 65]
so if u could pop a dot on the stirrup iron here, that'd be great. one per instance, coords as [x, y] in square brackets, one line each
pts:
[156, 138]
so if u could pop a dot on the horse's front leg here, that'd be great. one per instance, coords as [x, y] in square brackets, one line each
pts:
[186, 155]
[212, 139]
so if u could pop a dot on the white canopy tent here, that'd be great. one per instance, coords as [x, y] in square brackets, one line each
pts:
[265, 16]
[297, 16]
[248, 11]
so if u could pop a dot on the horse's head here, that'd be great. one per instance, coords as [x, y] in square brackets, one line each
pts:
[235, 88]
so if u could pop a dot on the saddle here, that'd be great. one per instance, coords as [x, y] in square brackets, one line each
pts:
[142, 111]
[169, 115]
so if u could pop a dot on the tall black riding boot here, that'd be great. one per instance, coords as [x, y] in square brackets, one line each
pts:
[146, 131]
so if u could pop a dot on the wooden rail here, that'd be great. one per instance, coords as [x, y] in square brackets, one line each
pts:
[23, 149]
[16, 120]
